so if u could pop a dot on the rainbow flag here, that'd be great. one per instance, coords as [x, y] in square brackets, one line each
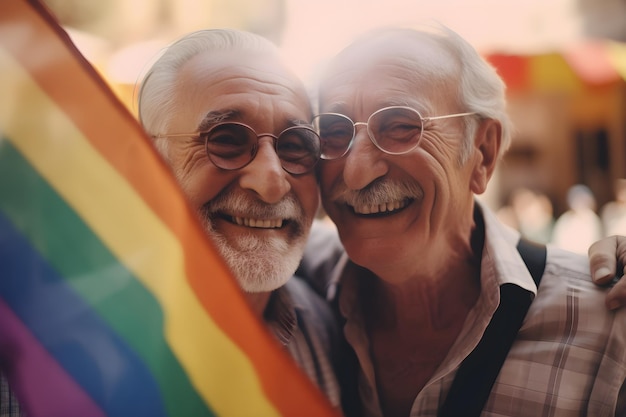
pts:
[112, 300]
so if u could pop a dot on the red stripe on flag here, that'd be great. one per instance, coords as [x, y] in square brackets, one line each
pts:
[289, 390]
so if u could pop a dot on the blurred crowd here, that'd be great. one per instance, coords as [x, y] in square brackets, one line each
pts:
[531, 212]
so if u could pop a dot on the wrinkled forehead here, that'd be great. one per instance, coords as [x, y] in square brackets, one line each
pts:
[410, 59]
[241, 71]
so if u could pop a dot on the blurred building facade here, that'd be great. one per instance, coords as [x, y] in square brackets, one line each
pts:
[569, 111]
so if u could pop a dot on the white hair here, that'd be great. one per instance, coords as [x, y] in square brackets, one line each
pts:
[156, 105]
[480, 89]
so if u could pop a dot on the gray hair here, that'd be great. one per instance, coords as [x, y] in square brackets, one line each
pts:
[156, 105]
[481, 90]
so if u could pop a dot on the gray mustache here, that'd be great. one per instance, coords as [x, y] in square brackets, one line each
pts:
[378, 192]
[287, 208]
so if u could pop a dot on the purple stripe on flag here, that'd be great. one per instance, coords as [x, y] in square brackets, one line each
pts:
[31, 379]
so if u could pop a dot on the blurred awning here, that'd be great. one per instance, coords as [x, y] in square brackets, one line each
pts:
[592, 64]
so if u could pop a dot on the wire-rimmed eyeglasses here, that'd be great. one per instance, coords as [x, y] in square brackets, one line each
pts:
[394, 130]
[233, 145]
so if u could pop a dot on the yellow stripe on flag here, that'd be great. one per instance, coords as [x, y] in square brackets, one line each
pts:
[109, 205]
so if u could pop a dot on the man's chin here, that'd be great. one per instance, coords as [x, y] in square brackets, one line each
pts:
[265, 269]
[260, 264]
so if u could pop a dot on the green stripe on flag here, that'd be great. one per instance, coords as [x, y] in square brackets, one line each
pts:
[62, 237]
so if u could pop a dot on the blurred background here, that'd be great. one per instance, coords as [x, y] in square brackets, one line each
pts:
[564, 62]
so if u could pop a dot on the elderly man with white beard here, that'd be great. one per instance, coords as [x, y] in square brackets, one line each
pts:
[233, 123]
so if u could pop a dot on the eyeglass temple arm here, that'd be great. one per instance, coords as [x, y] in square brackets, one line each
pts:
[177, 135]
[447, 116]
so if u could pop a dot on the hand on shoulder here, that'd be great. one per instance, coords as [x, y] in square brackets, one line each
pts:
[607, 260]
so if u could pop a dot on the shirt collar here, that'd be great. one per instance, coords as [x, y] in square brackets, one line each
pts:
[501, 263]
[500, 256]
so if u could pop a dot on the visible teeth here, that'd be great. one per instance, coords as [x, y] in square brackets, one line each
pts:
[380, 208]
[258, 223]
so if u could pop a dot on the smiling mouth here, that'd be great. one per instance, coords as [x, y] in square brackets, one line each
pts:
[255, 223]
[381, 209]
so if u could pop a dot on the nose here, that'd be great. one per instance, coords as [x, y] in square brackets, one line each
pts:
[265, 175]
[364, 162]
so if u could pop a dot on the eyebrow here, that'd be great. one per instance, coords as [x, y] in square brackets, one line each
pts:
[217, 116]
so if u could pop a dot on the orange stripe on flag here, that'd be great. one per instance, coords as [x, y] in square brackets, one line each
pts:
[286, 387]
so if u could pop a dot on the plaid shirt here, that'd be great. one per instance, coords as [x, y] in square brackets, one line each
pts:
[302, 322]
[569, 358]
[9, 406]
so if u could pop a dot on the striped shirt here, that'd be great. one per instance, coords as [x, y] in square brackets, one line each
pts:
[304, 324]
[9, 407]
[569, 358]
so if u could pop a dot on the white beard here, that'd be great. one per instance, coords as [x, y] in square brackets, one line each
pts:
[260, 264]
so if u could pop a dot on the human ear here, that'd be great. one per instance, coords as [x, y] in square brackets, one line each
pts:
[487, 146]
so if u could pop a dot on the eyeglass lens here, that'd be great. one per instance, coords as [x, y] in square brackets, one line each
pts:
[394, 130]
[232, 146]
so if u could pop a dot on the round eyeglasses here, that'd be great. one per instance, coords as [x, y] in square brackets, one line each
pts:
[394, 130]
[233, 145]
